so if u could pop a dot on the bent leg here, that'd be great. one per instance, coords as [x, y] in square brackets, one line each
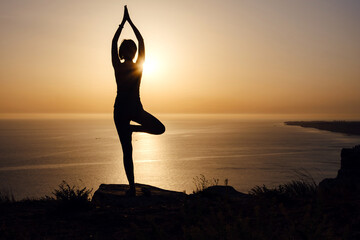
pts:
[123, 128]
[148, 123]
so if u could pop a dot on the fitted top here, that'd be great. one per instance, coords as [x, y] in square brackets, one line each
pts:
[128, 78]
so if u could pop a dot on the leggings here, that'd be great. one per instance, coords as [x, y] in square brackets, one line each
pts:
[148, 123]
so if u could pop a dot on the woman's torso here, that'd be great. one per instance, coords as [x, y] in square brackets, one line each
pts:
[128, 78]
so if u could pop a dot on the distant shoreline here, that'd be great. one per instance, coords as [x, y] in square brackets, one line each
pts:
[347, 127]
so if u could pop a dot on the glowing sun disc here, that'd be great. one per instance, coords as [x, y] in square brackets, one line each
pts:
[149, 66]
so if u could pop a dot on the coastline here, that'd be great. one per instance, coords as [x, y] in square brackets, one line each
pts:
[346, 127]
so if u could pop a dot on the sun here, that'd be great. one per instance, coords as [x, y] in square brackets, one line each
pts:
[150, 67]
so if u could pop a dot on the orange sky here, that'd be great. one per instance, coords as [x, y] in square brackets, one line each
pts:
[233, 56]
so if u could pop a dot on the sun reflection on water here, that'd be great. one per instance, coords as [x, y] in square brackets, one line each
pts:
[148, 163]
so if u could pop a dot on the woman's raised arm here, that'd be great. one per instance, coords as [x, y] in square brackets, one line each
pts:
[141, 53]
[114, 47]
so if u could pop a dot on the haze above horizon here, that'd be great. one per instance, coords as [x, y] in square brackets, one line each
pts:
[247, 56]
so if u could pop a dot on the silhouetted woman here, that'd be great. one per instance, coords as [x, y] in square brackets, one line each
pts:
[128, 106]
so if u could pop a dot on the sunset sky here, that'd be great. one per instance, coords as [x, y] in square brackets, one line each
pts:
[231, 56]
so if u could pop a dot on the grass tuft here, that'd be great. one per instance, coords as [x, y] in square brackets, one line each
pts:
[201, 183]
[72, 197]
[6, 197]
[293, 189]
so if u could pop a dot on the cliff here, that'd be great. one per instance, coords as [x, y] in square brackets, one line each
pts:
[348, 177]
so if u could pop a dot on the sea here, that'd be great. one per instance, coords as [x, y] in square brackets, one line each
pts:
[38, 152]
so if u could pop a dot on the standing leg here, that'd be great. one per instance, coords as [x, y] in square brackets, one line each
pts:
[149, 124]
[123, 128]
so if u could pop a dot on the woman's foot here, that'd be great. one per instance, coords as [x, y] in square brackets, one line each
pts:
[131, 192]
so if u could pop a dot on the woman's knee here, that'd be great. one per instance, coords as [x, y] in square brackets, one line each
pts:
[150, 124]
[160, 129]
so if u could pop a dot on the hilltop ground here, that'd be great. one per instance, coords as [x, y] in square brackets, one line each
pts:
[297, 210]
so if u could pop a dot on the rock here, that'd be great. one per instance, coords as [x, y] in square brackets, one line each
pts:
[348, 177]
[223, 191]
[350, 163]
[146, 195]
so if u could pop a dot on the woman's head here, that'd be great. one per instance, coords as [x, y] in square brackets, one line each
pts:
[127, 50]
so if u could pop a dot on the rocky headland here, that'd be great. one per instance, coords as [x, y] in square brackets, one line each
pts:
[347, 127]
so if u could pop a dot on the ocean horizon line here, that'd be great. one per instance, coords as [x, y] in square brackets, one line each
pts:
[249, 116]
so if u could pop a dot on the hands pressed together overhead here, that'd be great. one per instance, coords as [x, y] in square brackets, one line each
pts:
[126, 16]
